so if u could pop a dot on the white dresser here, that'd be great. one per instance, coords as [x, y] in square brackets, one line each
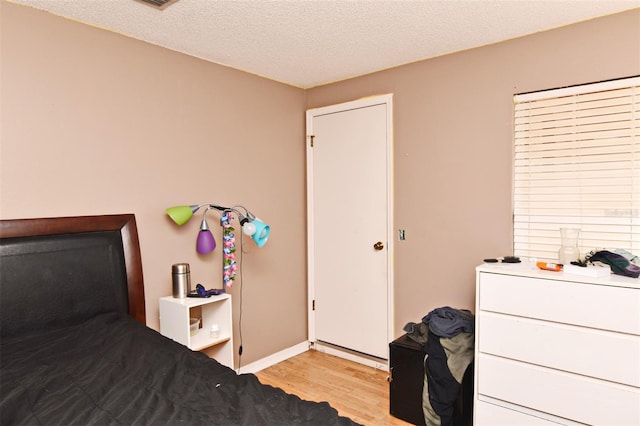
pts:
[555, 348]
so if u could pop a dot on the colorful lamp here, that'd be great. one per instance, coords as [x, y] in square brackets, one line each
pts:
[261, 234]
[181, 214]
[205, 242]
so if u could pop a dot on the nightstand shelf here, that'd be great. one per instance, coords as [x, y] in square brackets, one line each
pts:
[215, 310]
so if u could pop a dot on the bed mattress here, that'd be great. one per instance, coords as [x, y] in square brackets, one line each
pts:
[111, 369]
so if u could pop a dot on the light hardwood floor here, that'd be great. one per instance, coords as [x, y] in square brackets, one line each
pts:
[355, 390]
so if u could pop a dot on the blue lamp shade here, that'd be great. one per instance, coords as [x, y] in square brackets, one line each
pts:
[262, 232]
[205, 242]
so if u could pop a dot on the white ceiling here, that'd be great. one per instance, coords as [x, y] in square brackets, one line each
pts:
[306, 43]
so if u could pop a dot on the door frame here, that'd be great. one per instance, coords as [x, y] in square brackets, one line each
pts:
[387, 100]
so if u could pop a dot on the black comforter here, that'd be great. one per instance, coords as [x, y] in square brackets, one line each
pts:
[113, 370]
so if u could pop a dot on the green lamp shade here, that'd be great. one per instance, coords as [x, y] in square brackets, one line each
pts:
[180, 214]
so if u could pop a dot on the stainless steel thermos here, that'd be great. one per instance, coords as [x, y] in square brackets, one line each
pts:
[181, 280]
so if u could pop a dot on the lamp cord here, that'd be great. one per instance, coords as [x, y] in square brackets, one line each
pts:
[240, 302]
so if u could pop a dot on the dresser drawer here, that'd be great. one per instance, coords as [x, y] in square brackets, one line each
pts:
[489, 414]
[591, 352]
[558, 393]
[590, 305]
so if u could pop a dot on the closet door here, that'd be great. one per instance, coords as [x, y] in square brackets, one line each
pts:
[349, 225]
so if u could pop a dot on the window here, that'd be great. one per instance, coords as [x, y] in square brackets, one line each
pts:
[577, 165]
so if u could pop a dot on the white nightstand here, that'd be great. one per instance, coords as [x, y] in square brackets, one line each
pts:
[214, 310]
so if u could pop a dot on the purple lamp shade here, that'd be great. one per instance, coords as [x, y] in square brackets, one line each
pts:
[205, 242]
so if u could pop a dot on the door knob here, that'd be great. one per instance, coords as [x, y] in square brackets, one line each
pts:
[378, 246]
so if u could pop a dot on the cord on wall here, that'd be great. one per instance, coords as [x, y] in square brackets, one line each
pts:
[240, 347]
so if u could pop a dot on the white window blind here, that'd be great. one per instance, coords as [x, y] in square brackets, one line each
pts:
[577, 165]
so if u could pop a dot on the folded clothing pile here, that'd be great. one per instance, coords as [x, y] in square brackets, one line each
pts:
[619, 264]
[447, 336]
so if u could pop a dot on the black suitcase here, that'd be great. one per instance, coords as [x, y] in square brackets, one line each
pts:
[406, 378]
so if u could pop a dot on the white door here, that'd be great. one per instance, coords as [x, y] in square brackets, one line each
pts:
[349, 222]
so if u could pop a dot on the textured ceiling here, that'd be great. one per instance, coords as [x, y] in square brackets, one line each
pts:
[306, 43]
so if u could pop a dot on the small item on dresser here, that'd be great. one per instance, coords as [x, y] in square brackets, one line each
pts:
[200, 291]
[618, 263]
[505, 259]
[181, 277]
[587, 270]
[206, 293]
[214, 333]
[549, 266]
[194, 325]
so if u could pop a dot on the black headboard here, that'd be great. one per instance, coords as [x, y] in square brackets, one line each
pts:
[58, 271]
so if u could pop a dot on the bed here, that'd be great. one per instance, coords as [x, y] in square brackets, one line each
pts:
[75, 348]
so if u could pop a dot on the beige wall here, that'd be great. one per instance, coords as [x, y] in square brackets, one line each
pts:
[453, 146]
[94, 122]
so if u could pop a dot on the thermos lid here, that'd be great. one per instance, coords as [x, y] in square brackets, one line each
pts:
[180, 268]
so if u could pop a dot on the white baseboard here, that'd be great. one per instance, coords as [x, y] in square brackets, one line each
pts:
[275, 358]
[302, 347]
[380, 364]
